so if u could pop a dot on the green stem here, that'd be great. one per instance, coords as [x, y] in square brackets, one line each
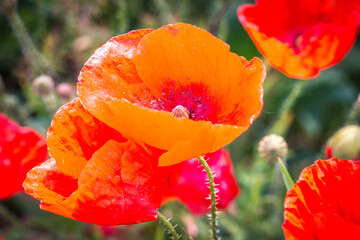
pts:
[7, 215]
[164, 11]
[38, 61]
[213, 220]
[354, 112]
[221, 7]
[289, 182]
[168, 225]
[279, 126]
[121, 17]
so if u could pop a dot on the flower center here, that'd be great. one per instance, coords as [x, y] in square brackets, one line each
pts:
[180, 112]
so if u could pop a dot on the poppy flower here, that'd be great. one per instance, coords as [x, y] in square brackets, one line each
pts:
[96, 175]
[324, 202]
[177, 88]
[300, 38]
[183, 176]
[21, 148]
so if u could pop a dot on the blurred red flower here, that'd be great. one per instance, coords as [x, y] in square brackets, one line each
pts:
[187, 182]
[21, 148]
[324, 202]
[300, 38]
[135, 81]
[96, 175]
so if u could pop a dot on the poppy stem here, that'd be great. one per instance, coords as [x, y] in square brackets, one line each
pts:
[168, 225]
[7, 215]
[354, 112]
[213, 217]
[38, 61]
[282, 121]
[165, 12]
[221, 8]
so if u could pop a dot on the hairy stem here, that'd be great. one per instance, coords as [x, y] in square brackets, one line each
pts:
[7, 215]
[279, 126]
[221, 8]
[213, 220]
[168, 225]
[164, 11]
[354, 112]
[38, 61]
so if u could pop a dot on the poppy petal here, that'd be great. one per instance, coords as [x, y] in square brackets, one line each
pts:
[184, 138]
[53, 188]
[110, 72]
[324, 200]
[196, 196]
[231, 93]
[108, 187]
[21, 148]
[300, 41]
[75, 135]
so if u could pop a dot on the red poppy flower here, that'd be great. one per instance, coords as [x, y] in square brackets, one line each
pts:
[135, 81]
[188, 182]
[324, 202]
[300, 38]
[97, 175]
[21, 148]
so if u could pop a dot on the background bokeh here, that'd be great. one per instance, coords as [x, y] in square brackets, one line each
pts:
[67, 32]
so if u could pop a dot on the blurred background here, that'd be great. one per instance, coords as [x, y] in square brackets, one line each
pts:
[56, 38]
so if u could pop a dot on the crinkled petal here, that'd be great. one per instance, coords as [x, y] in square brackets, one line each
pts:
[52, 187]
[181, 55]
[323, 201]
[21, 148]
[300, 41]
[196, 196]
[228, 87]
[183, 138]
[75, 135]
[111, 73]
[120, 184]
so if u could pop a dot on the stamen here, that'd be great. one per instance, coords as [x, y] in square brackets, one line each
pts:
[180, 112]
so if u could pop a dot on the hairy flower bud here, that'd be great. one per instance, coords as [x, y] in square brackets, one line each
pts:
[272, 147]
[345, 143]
[43, 85]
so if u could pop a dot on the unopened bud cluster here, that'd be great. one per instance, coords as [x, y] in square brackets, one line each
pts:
[272, 147]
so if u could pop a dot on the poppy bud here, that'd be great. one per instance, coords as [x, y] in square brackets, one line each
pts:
[43, 85]
[272, 147]
[345, 143]
[66, 91]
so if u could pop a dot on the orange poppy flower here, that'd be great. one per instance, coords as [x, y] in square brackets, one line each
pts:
[97, 175]
[300, 38]
[177, 88]
[324, 202]
[21, 148]
[183, 176]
